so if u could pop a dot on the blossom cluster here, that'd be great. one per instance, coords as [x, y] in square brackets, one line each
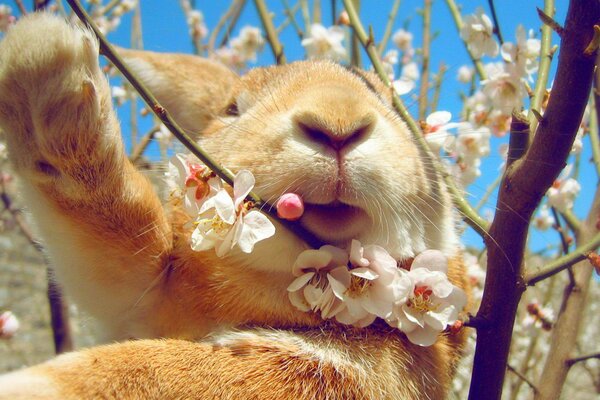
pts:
[358, 285]
[221, 221]
[195, 21]
[242, 49]
[325, 43]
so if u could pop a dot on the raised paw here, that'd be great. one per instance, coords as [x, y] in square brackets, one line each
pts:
[54, 100]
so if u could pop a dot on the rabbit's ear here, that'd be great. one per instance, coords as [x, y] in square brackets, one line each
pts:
[194, 90]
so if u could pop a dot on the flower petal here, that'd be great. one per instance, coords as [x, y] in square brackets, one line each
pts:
[423, 337]
[255, 227]
[433, 260]
[364, 273]
[356, 254]
[242, 185]
[311, 259]
[300, 282]
[297, 299]
[224, 206]
[339, 280]
[338, 256]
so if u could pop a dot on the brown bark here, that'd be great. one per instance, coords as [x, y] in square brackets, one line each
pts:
[525, 182]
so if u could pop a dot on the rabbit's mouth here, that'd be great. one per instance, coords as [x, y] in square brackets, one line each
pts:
[335, 221]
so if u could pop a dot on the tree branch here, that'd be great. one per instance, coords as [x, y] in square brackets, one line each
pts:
[575, 360]
[524, 184]
[271, 32]
[564, 262]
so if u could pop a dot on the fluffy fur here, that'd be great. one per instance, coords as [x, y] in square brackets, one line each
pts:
[313, 128]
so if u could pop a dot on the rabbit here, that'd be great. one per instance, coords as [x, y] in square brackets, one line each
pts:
[187, 324]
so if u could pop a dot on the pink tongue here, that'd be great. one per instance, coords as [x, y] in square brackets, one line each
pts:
[290, 206]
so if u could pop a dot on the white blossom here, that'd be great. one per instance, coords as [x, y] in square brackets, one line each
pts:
[524, 54]
[367, 288]
[248, 43]
[310, 291]
[192, 182]
[430, 302]
[465, 74]
[225, 222]
[325, 43]
[562, 194]
[403, 40]
[478, 33]
[503, 87]
[543, 220]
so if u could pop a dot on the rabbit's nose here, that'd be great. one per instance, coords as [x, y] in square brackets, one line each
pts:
[336, 133]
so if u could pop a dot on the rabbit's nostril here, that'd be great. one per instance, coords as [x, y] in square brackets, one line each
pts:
[336, 136]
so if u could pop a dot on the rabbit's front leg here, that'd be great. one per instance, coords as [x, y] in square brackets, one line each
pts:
[100, 220]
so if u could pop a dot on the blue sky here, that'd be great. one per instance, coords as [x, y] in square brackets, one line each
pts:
[165, 29]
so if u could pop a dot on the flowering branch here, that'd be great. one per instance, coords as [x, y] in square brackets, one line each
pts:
[470, 215]
[107, 50]
[546, 55]
[525, 182]
[388, 27]
[564, 262]
[459, 24]
[272, 37]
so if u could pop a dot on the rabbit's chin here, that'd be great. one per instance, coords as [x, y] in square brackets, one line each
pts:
[335, 223]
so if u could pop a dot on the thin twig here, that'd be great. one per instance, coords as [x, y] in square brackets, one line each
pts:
[355, 58]
[272, 37]
[496, 23]
[221, 23]
[142, 145]
[21, 7]
[522, 377]
[290, 12]
[424, 85]
[459, 24]
[561, 263]
[470, 215]
[107, 50]
[388, 27]
[316, 12]
[546, 55]
[575, 360]
[438, 79]
[488, 192]
[232, 23]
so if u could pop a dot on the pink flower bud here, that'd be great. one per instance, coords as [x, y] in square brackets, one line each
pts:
[290, 206]
[9, 325]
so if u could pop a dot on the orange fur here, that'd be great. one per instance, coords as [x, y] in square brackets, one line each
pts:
[126, 259]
